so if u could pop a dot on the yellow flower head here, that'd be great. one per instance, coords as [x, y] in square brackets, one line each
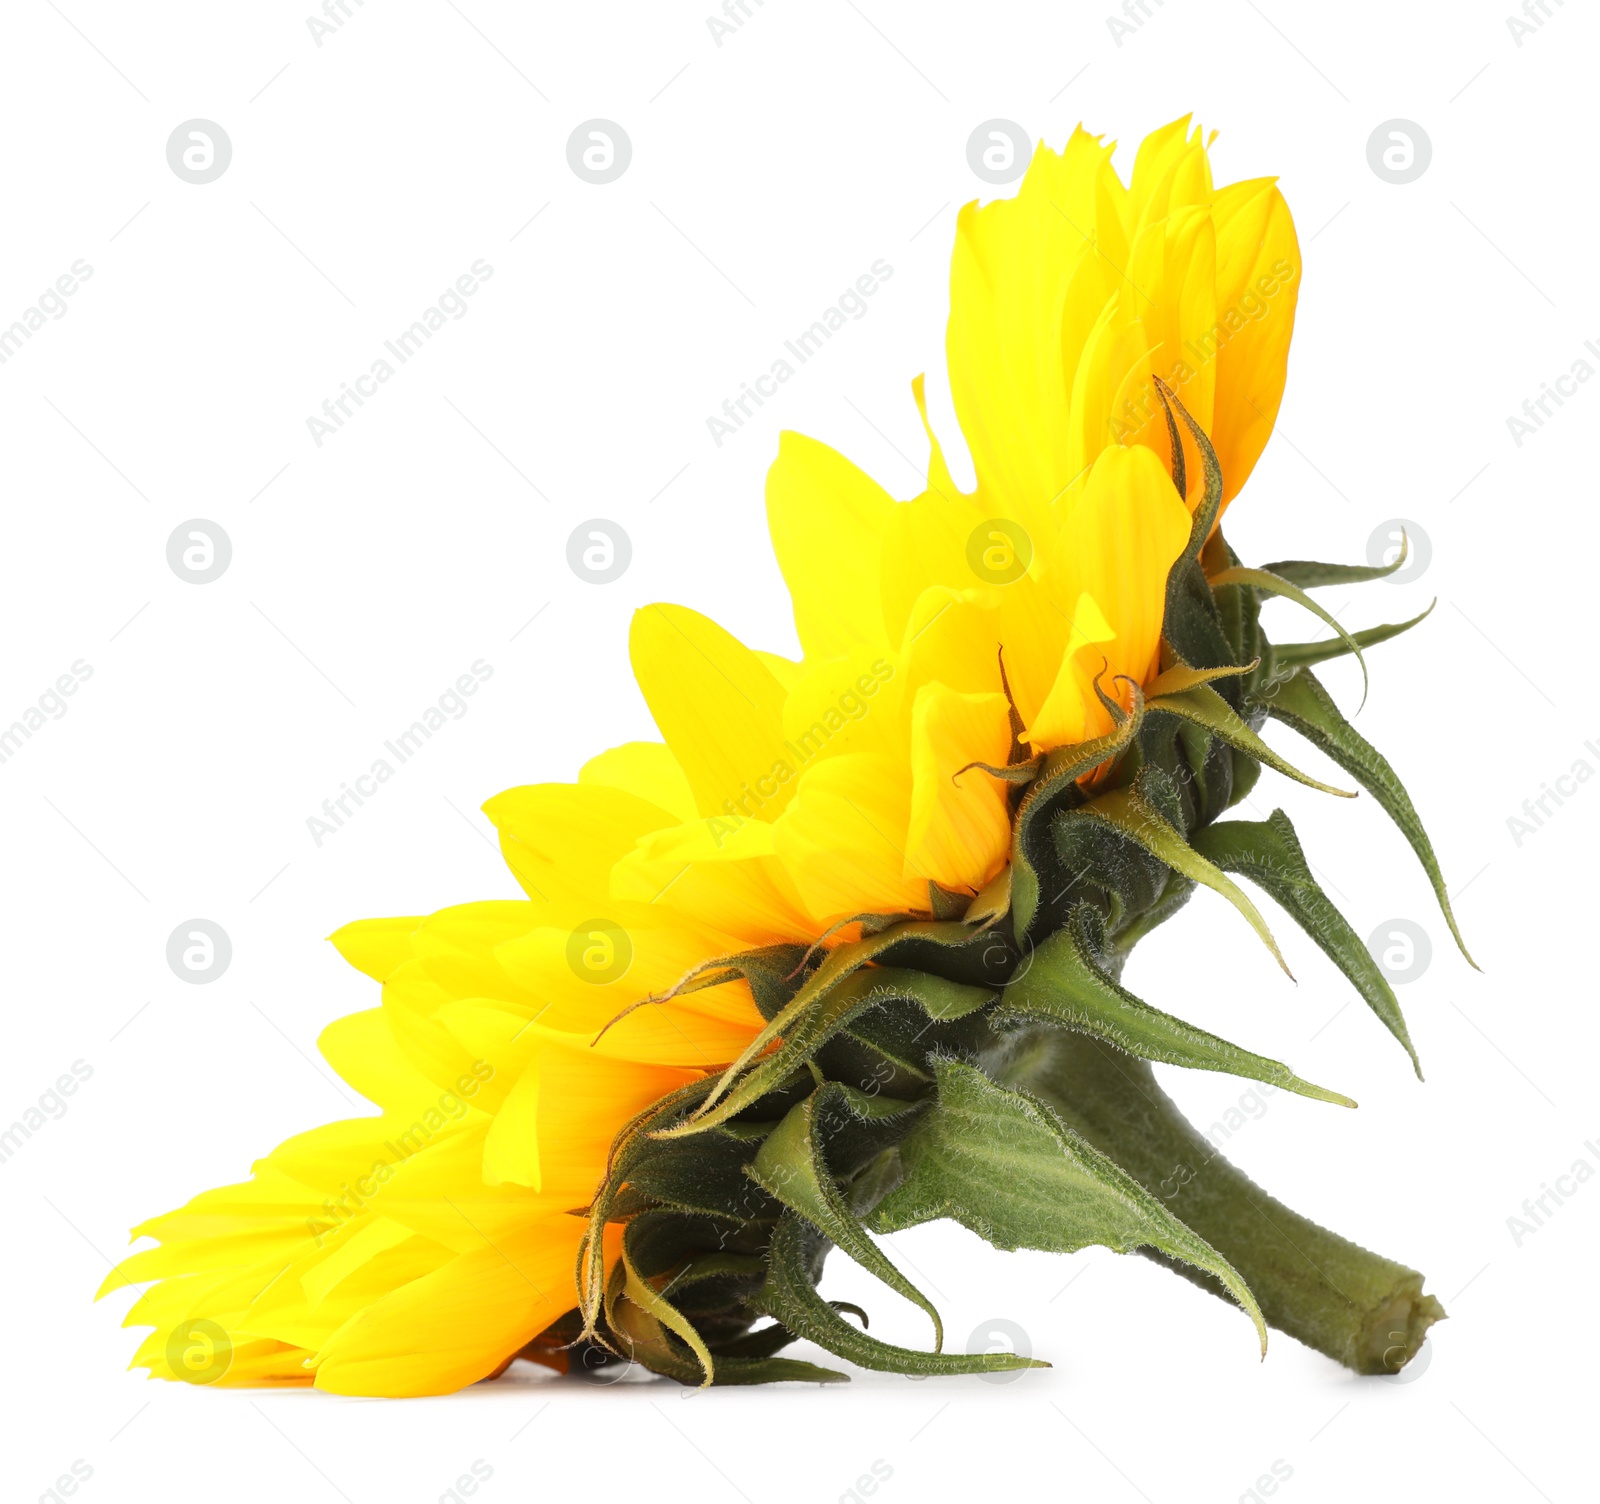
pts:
[419, 1250]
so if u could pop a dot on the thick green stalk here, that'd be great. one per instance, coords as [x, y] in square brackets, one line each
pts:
[1359, 1308]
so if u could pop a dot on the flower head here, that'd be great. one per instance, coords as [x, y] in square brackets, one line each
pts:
[956, 647]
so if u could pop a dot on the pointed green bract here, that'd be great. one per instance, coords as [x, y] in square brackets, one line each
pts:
[1309, 575]
[1268, 853]
[1304, 654]
[1268, 583]
[1302, 703]
[649, 1300]
[839, 962]
[790, 1167]
[1059, 778]
[1180, 677]
[1202, 705]
[1066, 984]
[1003, 1164]
[1191, 620]
[859, 992]
[790, 1295]
[1210, 507]
[1131, 813]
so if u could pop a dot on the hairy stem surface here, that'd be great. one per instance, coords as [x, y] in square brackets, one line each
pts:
[1357, 1307]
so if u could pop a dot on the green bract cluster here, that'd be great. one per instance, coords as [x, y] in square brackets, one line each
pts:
[985, 1064]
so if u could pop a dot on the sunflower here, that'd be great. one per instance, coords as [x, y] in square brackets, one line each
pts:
[842, 951]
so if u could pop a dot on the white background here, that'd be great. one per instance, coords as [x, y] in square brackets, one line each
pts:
[767, 174]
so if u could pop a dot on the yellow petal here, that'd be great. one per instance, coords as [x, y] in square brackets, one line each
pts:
[827, 520]
[452, 1327]
[376, 946]
[960, 828]
[555, 1127]
[1258, 287]
[646, 769]
[718, 706]
[843, 839]
[561, 839]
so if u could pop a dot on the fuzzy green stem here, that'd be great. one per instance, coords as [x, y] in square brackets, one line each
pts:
[1357, 1307]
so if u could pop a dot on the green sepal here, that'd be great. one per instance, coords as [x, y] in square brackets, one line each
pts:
[1130, 812]
[1210, 504]
[859, 992]
[1266, 583]
[947, 903]
[1304, 654]
[1302, 703]
[791, 1297]
[627, 1148]
[992, 902]
[1056, 783]
[775, 1371]
[636, 1288]
[1309, 575]
[770, 972]
[1066, 984]
[1191, 620]
[1003, 1164]
[637, 1335]
[1179, 676]
[839, 962]
[706, 1177]
[1268, 852]
[1203, 706]
[1012, 772]
[791, 1168]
